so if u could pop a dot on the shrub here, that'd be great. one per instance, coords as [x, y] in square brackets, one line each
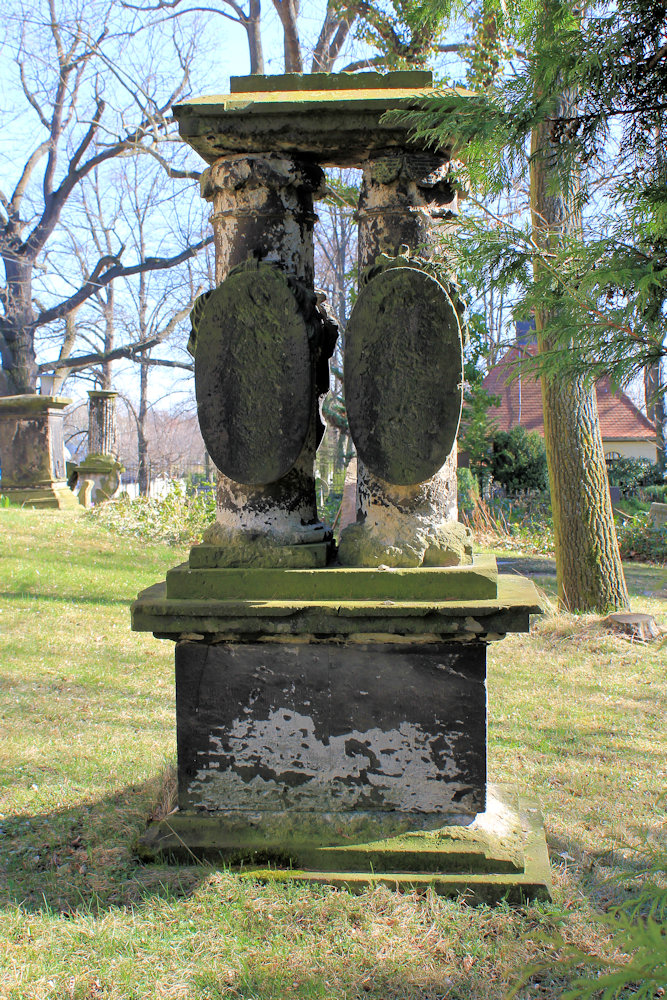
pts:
[524, 525]
[638, 967]
[518, 461]
[178, 517]
[640, 540]
[330, 496]
[657, 493]
[477, 429]
[468, 489]
[630, 473]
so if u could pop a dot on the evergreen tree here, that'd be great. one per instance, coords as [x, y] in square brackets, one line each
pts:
[542, 98]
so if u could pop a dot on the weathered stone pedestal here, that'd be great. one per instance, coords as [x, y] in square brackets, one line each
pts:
[105, 473]
[500, 855]
[101, 464]
[32, 452]
[331, 723]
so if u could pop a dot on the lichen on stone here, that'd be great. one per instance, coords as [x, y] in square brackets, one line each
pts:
[375, 544]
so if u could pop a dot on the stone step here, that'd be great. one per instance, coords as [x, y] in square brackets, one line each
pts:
[463, 583]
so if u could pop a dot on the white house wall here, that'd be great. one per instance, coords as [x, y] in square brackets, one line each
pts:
[630, 449]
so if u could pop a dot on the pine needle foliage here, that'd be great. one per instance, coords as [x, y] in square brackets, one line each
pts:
[638, 929]
[605, 287]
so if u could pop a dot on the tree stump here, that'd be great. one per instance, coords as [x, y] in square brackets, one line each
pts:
[633, 625]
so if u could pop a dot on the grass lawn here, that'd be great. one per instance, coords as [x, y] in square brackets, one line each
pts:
[576, 715]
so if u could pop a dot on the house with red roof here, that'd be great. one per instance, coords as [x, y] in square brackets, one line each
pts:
[625, 430]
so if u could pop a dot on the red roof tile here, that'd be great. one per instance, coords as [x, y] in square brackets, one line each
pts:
[521, 403]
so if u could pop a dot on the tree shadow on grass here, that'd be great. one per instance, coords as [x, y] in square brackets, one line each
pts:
[609, 877]
[643, 580]
[81, 860]
[63, 598]
[356, 981]
[596, 748]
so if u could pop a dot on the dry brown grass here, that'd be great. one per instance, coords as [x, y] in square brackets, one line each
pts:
[576, 715]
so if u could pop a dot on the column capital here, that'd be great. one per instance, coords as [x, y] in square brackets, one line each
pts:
[270, 171]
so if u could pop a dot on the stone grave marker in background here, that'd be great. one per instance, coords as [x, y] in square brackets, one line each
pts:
[101, 464]
[32, 451]
[331, 702]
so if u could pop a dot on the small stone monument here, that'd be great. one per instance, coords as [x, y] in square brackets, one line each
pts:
[331, 704]
[657, 515]
[101, 464]
[32, 451]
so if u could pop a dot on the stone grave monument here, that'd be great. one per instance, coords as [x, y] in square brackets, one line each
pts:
[331, 702]
[32, 451]
[101, 465]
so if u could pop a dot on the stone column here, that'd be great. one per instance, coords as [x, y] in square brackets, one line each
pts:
[263, 208]
[102, 422]
[262, 215]
[100, 466]
[32, 451]
[404, 199]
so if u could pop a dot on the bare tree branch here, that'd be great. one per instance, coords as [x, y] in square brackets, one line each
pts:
[88, 137]
[114, 272]
[87, 360]
[165, 363]
[129, 351]
[173, 172]
[31, 99]
[24, 179]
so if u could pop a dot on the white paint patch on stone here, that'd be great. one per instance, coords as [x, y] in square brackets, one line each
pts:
[288, 764]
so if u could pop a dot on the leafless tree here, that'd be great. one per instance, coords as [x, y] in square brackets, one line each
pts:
[397, 34]
[85, 111]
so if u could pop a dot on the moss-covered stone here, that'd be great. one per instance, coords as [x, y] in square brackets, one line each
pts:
[657, 515]
[258, 551]
[338, 118]
[483, 619]
[56, 496]
[254, 376]
[306, 82]
[477, 581]
[403, 375]
[104, 471]
[502, 855]
[405, 543]
[30, 403]
[32, 445]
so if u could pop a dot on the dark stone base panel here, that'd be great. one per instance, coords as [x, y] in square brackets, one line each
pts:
[332, 728]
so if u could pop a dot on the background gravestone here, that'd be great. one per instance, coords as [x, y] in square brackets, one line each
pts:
[101, 465]
[32, 451]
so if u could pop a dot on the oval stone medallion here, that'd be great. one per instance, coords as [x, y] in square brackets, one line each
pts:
[253, 377]
[403, 375]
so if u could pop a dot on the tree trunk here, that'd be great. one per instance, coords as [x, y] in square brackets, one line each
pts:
[60, 374]
[254, 34]
[20, 366]
[142, 440]
[288, 12]
[588, 564]
[660, 443]
[654, 398]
